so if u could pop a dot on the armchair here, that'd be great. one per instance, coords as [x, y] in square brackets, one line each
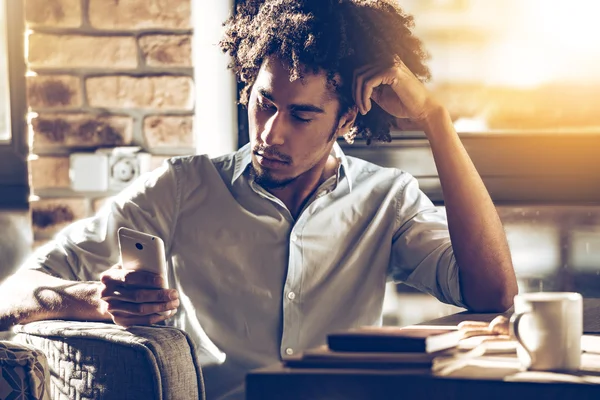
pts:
[101, 361]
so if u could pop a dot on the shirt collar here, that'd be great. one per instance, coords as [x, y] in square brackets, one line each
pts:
[243, 158]
[344, 167]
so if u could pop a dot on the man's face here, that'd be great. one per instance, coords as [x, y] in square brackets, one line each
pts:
[292, 125]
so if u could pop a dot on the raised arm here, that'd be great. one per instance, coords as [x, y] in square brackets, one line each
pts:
[487, 277]
[486, 272]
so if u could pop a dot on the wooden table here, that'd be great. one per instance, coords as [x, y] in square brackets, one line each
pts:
[279, 382]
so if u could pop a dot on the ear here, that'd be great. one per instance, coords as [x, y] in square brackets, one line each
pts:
[347, 120]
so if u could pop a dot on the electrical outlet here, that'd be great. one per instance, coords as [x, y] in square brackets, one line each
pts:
[123, 170]
[107, 169]
[126, 165]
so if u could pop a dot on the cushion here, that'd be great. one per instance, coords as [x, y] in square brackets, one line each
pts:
[95, 360]
[23, 372]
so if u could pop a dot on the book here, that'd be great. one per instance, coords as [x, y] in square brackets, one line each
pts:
[411, 339]
[323, 357]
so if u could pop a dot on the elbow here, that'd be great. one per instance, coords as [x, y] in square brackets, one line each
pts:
[507, 291]
[502, 298]
[498, 305]
[492, 292]
[504, 301]
[498, 300]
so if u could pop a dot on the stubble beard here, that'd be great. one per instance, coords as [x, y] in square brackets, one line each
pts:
[265, 178]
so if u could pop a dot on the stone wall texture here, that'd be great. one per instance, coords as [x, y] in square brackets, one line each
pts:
[101, 74]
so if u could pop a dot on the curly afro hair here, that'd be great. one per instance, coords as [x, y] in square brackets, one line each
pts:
[331, 36]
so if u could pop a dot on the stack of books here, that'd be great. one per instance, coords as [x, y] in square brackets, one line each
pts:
[381, 347]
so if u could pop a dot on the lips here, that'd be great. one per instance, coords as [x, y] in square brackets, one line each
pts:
[269, 158]
[270, 162]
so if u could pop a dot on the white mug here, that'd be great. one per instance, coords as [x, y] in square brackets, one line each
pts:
[548, 327]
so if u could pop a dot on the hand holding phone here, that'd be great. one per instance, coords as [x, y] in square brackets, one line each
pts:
[136, 290]
[141, 251]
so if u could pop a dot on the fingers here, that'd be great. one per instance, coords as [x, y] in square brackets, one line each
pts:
[361, 75]
[380, 77]
[117, 275]
[117, 307]
[366, 80]
[135, 295]
[128, 320]
[357, 80]
[127, 313]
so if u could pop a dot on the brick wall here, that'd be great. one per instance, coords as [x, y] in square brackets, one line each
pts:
[103, 73]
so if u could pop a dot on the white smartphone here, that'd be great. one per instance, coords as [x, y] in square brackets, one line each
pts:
[141, 251]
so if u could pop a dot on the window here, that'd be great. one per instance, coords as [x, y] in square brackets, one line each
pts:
[14, 188]
[513, 65]
[5, 133]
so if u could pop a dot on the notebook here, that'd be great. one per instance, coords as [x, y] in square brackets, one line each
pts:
[410, 339]
[323, 357]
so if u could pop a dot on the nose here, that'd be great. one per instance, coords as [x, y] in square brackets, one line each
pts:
[274, 130]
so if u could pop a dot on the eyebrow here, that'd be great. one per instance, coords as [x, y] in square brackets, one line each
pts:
[294, 107]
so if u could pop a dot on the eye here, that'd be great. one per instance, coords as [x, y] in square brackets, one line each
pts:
[264, 106]
[301, 120]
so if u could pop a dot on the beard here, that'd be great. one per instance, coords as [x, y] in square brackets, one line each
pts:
[265, 178]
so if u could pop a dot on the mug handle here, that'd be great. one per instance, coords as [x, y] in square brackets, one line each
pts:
[515, 319]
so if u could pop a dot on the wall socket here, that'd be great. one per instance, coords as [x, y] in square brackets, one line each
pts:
[107, 170]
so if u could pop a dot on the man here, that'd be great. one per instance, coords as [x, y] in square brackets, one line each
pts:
[272, 247]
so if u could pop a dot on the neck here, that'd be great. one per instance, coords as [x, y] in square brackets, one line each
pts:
[297, 193]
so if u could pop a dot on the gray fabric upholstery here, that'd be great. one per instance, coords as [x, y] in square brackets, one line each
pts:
[23, 372]
[100, 361]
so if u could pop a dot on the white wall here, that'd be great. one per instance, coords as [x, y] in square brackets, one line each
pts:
[215, 123]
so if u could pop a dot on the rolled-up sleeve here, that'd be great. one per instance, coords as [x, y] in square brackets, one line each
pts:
[422, 255]
[86, 248]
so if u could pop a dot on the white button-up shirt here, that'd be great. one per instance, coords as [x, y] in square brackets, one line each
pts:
[255, 283]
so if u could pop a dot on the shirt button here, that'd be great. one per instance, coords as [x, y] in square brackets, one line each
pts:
[291, 295]
[289, 351]
[294, 237]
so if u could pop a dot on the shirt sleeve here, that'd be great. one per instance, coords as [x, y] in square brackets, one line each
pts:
[86, 248]
[422, 255]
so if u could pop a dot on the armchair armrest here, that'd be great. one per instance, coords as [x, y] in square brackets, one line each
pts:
[95, 360]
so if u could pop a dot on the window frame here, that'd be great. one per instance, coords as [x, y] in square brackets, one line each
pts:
[14, 186]
[517, 168]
